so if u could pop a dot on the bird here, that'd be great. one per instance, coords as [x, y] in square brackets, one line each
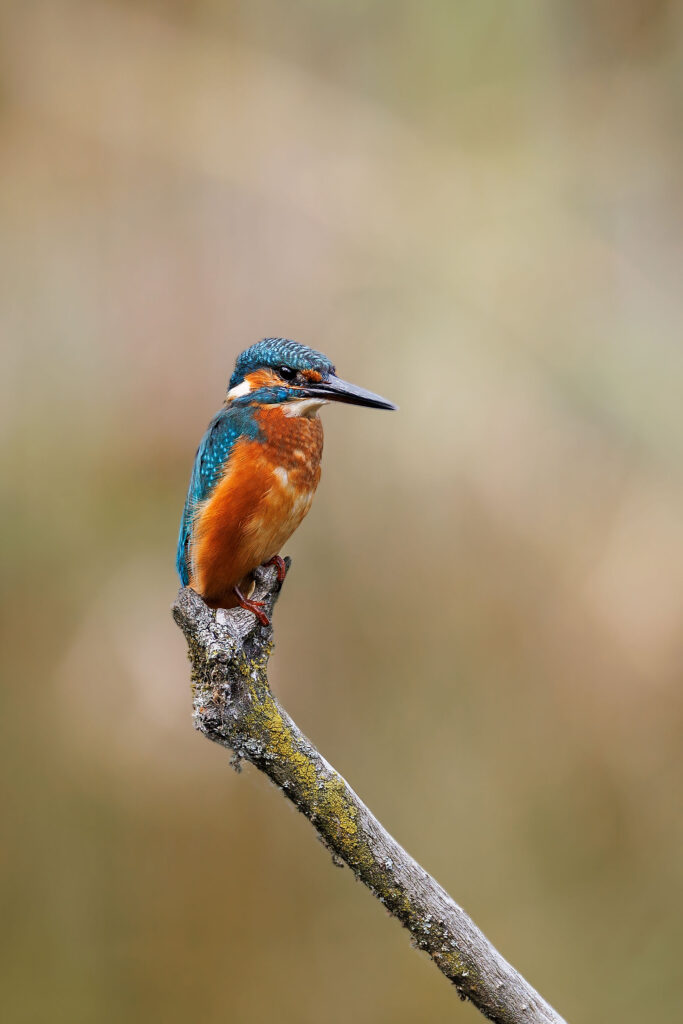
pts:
[257, 468]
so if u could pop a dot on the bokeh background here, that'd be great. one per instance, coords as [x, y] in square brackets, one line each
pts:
[475, 209]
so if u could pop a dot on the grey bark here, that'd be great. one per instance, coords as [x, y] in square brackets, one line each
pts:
[234, 706]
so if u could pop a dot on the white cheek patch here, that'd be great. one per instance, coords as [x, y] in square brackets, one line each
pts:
[282, 475]
[303, 406]
[240, 390]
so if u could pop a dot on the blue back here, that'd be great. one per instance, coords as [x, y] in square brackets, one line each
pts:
[225, 429]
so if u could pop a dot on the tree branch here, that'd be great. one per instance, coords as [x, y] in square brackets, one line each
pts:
[233, 706]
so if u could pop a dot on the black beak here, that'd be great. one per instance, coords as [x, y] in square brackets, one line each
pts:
[334, 389]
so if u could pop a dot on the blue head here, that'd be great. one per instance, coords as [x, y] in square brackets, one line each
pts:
[280, 371]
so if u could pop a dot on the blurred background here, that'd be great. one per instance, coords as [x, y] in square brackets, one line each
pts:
[474, 209]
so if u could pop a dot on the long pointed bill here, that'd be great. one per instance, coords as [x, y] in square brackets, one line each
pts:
[334, 389]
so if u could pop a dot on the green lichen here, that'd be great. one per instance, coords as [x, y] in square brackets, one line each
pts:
[322, 796]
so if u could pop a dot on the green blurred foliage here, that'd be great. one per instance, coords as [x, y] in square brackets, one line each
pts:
[475, 210]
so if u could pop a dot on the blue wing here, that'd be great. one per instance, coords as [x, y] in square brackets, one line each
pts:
[223, 431]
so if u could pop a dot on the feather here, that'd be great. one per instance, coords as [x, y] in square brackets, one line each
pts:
[212, 456]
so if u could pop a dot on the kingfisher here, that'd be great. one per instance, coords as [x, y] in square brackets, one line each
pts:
[257, 468]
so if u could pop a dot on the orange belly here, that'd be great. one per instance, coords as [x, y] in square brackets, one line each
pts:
[264, 494]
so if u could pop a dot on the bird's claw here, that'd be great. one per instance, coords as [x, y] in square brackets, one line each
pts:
[255, 607]
[280, 565]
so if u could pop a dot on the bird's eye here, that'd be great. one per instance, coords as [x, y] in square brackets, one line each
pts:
[286, 372]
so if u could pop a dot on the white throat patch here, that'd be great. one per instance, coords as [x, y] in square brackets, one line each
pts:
[303, 406]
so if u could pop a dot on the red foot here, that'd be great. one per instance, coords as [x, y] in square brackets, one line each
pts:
[280, 565]
[255, 607]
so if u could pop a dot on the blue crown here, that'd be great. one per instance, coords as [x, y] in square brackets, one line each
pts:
[274, 352]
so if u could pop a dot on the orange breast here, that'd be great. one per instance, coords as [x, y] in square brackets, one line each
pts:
[265, 492]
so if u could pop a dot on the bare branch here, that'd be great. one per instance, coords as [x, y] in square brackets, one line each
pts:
[233, 706]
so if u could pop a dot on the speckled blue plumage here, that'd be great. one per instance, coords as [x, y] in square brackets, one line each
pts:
[225, 428]
[276, 352]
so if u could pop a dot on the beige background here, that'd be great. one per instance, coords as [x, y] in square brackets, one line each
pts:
[474, 209]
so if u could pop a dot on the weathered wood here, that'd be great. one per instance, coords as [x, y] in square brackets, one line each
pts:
[234, 706]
